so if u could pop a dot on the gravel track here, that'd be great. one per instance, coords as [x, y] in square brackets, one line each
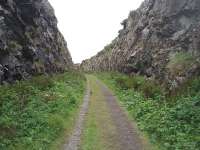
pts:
[127, 137]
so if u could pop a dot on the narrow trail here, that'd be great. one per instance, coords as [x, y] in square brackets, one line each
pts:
[74, 141]
[127, 133]
[102, 123]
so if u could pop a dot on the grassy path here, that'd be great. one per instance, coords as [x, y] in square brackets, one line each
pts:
[107, 127]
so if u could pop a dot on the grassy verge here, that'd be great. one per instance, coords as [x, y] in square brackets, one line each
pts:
[38, 114]
[99, 131]
[173, 122]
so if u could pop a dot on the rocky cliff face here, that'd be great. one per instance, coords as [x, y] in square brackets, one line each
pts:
[161, 40]
[30, 42]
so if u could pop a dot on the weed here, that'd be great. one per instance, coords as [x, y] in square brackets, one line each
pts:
[36, 112]
[13, 45]
[180, 62]
[173, 124]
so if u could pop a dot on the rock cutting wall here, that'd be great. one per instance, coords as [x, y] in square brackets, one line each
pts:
[30, 42]
[156, 36]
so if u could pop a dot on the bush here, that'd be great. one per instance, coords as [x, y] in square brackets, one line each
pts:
[42, 82]
[180, 62]
[191, 87]
[130, 82]
[122, 82]
[150, 89]
[35, 112]
[174, 124]
[56, 122]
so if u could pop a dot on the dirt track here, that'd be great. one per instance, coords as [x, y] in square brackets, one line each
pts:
[114, 130]
[127, 133]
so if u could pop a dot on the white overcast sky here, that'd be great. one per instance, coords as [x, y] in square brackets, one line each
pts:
[89, 25]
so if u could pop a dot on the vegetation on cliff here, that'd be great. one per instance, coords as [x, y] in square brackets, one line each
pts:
[160, 39]
[171, 120]
[39, 113]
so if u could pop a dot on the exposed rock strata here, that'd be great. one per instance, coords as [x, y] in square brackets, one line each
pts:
[151, 36]
[30, 42]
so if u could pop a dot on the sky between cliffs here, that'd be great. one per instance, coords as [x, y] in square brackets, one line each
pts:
[89, 25]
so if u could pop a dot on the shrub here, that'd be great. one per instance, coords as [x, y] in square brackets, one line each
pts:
[137, 81]
[42, 82]
[194, 85]
[56, 122]
[175, 124]
[121, 81]
[180, 62]
[13, 45]
[191, 86]
[130, 82]
[109, 47]
[150, 89]
[35, 112]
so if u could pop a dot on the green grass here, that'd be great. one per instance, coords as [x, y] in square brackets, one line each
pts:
[180, 62]
[172, 123]
[149, 88]
[38, 114]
